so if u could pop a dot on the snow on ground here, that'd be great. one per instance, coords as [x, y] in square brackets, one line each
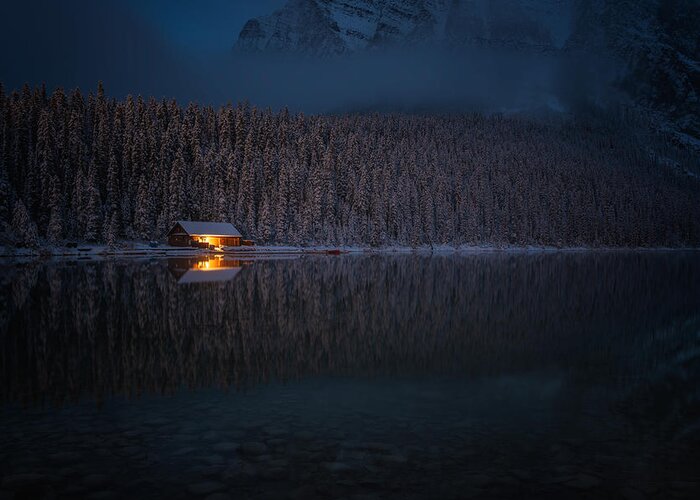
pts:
[140, 249]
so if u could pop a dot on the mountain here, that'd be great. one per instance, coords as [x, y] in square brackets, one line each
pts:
[652, 46]
[327, 27]
[656, 46]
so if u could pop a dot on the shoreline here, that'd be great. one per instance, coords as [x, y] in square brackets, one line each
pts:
[138, 249]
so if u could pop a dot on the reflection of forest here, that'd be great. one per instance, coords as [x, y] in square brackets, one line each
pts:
[97, 329]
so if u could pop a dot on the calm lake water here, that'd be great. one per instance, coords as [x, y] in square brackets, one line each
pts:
[562, 375]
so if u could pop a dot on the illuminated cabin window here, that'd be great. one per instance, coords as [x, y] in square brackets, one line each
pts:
[212, 240]
[186, 232]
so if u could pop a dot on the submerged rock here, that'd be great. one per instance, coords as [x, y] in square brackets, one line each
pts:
[275, 431]
[210, 436]
[225, 447]
[103, 495]
[394, 458]
[336, 466]
[219, 496]
[65, 456]
[276, 442]
[22, 480]
[304, 435]
[253, 448]
[583, 482]
[632, 494]
[685, 485]
[376, 447]
[95, 480]
[205, 488]
[184, 451]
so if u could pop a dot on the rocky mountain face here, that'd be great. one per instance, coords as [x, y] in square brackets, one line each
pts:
[654, 44]
[325, 27]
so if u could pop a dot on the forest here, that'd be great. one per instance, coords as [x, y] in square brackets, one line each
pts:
[96, 169]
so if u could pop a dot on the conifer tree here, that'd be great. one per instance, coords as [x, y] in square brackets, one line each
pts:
[55, 231]
[112, 233]
[5, 197]
[177, 188]
[23, 226]
[93, 207]
[143, 217]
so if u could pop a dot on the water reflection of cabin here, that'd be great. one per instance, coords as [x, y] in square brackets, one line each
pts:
[204, 269]
[187, 233]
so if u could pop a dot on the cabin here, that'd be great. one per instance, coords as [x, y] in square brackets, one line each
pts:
[186, 233]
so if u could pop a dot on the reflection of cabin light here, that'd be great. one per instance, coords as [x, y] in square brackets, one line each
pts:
[206, 264]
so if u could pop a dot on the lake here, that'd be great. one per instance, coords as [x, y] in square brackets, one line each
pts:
[492, 375]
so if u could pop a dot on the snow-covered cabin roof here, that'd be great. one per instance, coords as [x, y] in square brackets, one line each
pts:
[209, 228]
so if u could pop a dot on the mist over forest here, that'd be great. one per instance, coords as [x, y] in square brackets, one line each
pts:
[77, 44]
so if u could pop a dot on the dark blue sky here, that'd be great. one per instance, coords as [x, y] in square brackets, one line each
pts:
[151, 47]
[200, 25]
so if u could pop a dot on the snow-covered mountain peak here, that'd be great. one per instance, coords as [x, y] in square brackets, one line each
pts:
[326, 27]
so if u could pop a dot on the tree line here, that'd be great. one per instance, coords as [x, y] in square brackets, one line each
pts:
[104, 170]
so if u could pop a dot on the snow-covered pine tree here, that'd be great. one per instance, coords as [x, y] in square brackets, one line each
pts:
[265, 221]
[143, 215]
[93, 206]
[55, 232]
[176, 190]
[5, 199]
[112, 233]
[23, 226]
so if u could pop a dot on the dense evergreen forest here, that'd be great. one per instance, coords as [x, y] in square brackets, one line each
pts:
[96, 169]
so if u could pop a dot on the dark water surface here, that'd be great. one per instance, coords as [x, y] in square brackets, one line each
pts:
[567, 375]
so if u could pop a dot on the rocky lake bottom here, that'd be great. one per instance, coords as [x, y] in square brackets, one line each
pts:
[342, 439]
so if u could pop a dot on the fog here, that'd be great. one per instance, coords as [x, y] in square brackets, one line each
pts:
[431, 79]
[79, 43]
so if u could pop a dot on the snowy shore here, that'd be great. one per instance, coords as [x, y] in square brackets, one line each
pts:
[141, 249]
